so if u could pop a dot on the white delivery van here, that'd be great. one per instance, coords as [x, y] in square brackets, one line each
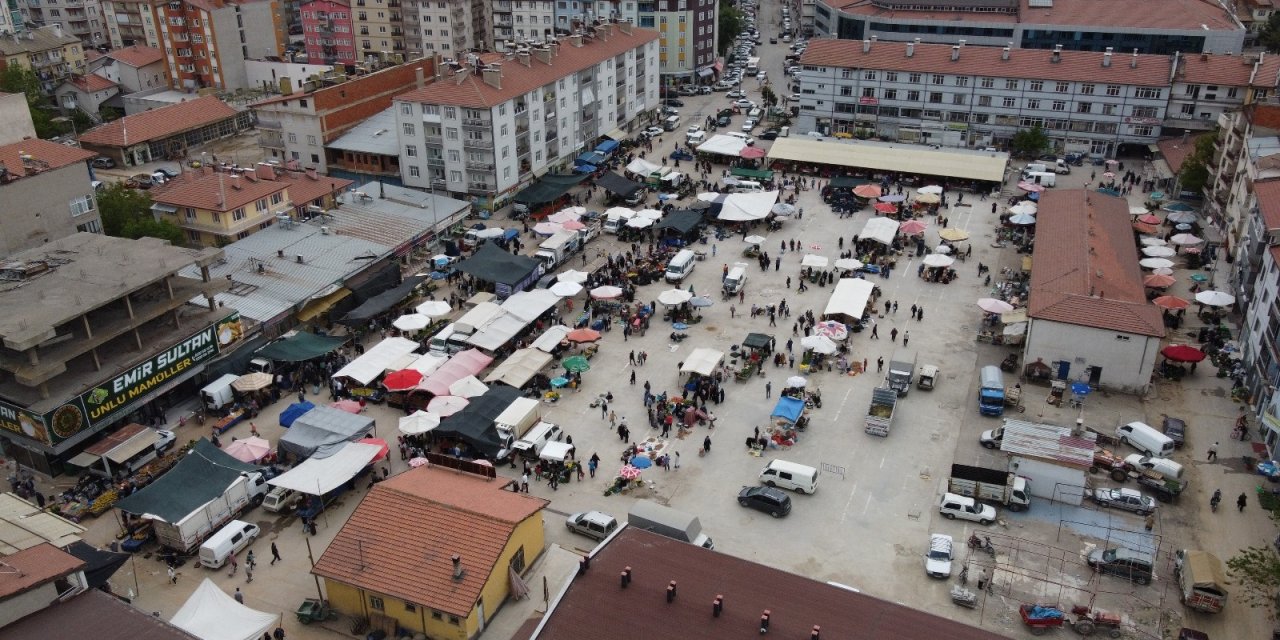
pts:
[789, 475]
[613, 223]
[1034, 167]
[1145, 438]
[695, 139]
[531, 444]
[680, 266]
[439, 343]
[219, 395]
[735, 280]
[1042, 178]
[671, 123]
[232, 538]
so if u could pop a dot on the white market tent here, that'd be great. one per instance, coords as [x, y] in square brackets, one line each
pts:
[882, 157]
[642, 167]
[703, 361]
[375, 361]
[498, 332]
[468, 387]
[723, 145]
[479, 315]
[427, 364]
[849, 298]
[519, 367]
[551, 338]
[528, 305]
[210, 614]
[748, 206]
[881, 230]
[318, 476]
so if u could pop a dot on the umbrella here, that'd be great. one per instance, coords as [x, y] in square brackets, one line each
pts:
[1015, 329]
[652, 214]
[576, 364]
[993, 305]
[819, 344]
[1181, 217]
[1215, 298]
[575, 277]
[629, 473]
[1185, 238]
[831, 329]
[938, 260]
[414, 463]
[418, 422]
[1030, 187]
[868, 191]
[672, 297]
[932, 189]
[953, 235]
[559, 381]
[893, 197]
[929, 198]
[1081, 388]
[751, 153]
[1153, 242]
[797, 381]
[582, 335]
[252, 382]
[942, 248]
[711, 197]
[1112, 162]
[440, 260]
[1158, 252]
[350, 406]
[573, 225]
[1178, 207]
[1156, 263]
[1199, 277]
[1147, 218]
[642, 462]
[445, 406]
[847, 263]
[251, 449]
[379, 442]
[1108, 174]
[468, 387]
[1182, 353]
[885, 207]
[1022, 219]
[618, 212]
[754, 239]
[606, 292]
[811, 260]
[1183, 227]
[1155, 196]
[433, 308]
[566, 289]
[701, 302]
[402, 380]
[1158, 281]
[1033, 196]
[1026, 206]
[679, 326]
[411, 322]
[912, 227]
[782, 208]
[639, 223]
[547, 228]
[1142, 227]
[1164, 271]
[1173, 303]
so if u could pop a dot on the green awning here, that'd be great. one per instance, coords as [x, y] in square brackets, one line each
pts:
[299, 347]
[757, 174]
[846, 182]
[548, 188]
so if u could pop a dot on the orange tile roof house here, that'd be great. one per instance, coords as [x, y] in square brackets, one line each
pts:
[435, 549]
[1088, 307]
[86, 93]
[215, 207]
[166, 132]
[48, 194]
[135, 68]
[36, 577]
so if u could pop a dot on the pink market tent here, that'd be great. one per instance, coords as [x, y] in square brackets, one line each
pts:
[250, 449]
[461, 365]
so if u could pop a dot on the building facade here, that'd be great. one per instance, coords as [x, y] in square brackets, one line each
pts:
[215, 208]
[1204, 87]
[517, 21]
[485, 128]
[80, 18]
[688, 37]
[47, 192]
[329, 31]
[380, 32]
[570, 14]
[50, 52]
[135, 68]
[131, 22]
[206, 42]
[85, 93]
[450, 28]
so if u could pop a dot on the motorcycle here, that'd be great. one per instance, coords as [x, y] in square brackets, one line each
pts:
[1241, 433]
[1215, 500]
[604, 398]
[982, 544]
[678, 337]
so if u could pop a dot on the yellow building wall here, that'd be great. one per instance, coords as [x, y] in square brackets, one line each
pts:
[532, 536]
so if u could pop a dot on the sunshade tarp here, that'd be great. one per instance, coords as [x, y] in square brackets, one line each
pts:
[323, 431]
[461, 365]
[616, 184]
[642, 167]
[492, 264]
[892, 158]
[99, 565]
[757, 341]
[723, 145]
[548, 188]
[474, 424]
[299, 347]
[528, 305]
[846, 182]
[881, 230]
[383, 301]
[702, 361]
[199, 477]
[788, 408]
[608, 146]
[754, 174]
[375, 361]
[520, 367]
[211, 614]
[497, 332]
[318, 476]
[133, 446]
[1205, 570]
[293, 412]
[551, 338]
[748, 206]
[682, 222]
[591, 158]
[849, 298]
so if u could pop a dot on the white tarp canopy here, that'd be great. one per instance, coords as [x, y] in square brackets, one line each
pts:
[702, 360]
[468, 387]
[479, 315]
[498, 332]
[210, 614]
[427, 364]
[723, 145]
[551, 338]
[642, 167]
[375, 361]
[519, 367]
[748, 206]
[849, 298]
[528, 305]
[318, 476]
[881, 230]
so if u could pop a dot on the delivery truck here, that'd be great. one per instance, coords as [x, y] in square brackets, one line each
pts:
[514, 422]
[186, 534]
[1060, 482]
[991, 485]
[880, 414]
[555, 250]
[902, 370]
[665, 521]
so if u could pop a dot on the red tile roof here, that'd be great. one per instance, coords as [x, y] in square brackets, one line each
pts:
[1229, 70]
[137, 55]
[159, 123]
[35, 566]
[1175, 151]
[1031, 64]
[214, 190]
[1086, 265]
[401, 538]
[518, 79]
[1135, 14]
[1268, 194]
[93, 614]
[44, 156]
[304, 189]
[594, 601]
[90, 83]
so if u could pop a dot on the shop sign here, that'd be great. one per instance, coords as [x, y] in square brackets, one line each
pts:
[868, 100]
[17, 420]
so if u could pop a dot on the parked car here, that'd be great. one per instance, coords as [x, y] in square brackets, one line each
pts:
[704, 90]
[773, 41]
[743, 103]
[769, 134]
[169, 174]
[1126, 499]
[736, 94]
[592, 524]
[103, 162]
[937, 563]
[767, 499]
[723, 85]
[1134, 566]
[687, 91]
[672, 102]
[670, 111]
[1176, 429]
[165, 440]
[722, 121]
[954, 506]
[652, 132]
[749, 124]
[693, 128]
[139, 181]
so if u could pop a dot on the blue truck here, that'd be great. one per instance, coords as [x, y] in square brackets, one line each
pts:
[991, 391]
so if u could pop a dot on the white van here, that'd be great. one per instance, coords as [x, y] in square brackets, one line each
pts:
[531, 444]
[1145, 438]
[784, 132]
[228, 540]
[1163, 466]
[281, 499]
[695, 139]
[439, 344]
[680, 266]
[671, 123]
[1042, 178]
[735, 280]
[789, 475]
[219, 395]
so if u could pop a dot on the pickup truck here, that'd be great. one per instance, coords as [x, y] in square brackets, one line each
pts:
[1009, 489]
[902, 369]
[880, 414]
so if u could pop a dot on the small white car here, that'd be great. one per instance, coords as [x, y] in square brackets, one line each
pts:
[592, 524]
[165, 440]
[695, 128]
[736, 94]
[1126, 499]
[653, 132]
[744, 104]
[749, 124]
[954, 506]
[937, 563]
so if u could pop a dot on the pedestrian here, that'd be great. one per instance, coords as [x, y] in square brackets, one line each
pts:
[275, 553]
[235, 564]
[906, 337]
[604, 409]
[1242, 501]
[893, 335]
[633, 377]
[706, 447]
[677, 461]
[913, 308]
[768, 390]
[788, 282]
[879, 364]
[895, 306]
[591, 465]
[173, 575]
[278, 634]
[1213, 452]
[253, 429]
[249, 560]
[920, 314]
[875, 332]
[524, 483]
[248, 575]
[1151, 521]
[982, 580]
[239, 596]
[733, 311]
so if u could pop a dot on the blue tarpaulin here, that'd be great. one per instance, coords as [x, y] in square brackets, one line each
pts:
[788, 409]
[607, 147]
[293, 411]
[591, 157]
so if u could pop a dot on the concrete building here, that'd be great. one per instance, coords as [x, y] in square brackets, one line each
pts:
[15, 118]
[1187, 26]
[49, 51]
[131, 22]
[80, 18]
[48, 195]
[368, 152]
[570, 14]
[296, 127]
[516, 21]
[688, 30]
[10, 17]
[449, 29]
[87, 93]
[1253, 14]
[328, 31]
[981, 96]
[1204, 87]
[206, 42]
[1089, 316]
[484, 129]
[135, 68]
[380, 32]
[92, 329]
[36, 577]
[165, 132]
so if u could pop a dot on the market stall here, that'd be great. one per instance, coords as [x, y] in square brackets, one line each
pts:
[849, 301]
[702, 361]
[323, 431]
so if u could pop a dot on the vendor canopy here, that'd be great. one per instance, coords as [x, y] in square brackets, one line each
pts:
[461, 365]
[754, 174]
[528, 305]
[846, 182]
[520, 367]
[318, 476]
[474, 423]
[323, 431]
[890, 157]
[702, 361]
[383, 301]
[299, 347]
[723, 145]
[551, 338]
[739, 207]
[375, 361]
[211, 614]
[789, 409]
[492, 264]
[199, 477]
[642, 167]
[682, 222]
[757, 341]
[849, 298]
[881, 230]
[548, 188]
[618, 185]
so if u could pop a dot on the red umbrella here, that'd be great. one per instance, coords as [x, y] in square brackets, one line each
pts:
[912, 227]
[867, 191]
[886, 207]
[752, 153]
[583, 335]
[1145, 228]
[1030, 187]
[350, 406]
[1182, 353]
[402, 379]
[1158, 281]
[382, 453]
[1173, 303]
[1149, 219]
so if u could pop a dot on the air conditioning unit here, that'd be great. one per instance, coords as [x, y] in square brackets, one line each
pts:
[324, 230]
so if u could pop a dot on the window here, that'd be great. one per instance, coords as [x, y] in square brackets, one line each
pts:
[988, 83]
[293, 138]
[938, 78]
[914, 78]
[1011, 84]
[454, 156]
[81, 205]
[984, 101]
[1086, 89]
[891, 76]
[1084, 107]
[451, 133]
[962, 81]
[262, 204]
[913, 96]
[1144, 112]
[868, 92]
[1113, 89]
[1108, 109]
[238, 214]
[1061, 87]
[455, 176]
[409, 607]
[436, 615]
[935, 97]
[311, 140]
[1033, 103]
[846, 91]
[413, 171]
[1059, 105]
[1143, 130]
[408, 128]
[1010, 103]
[890, 94]
[869, 75]
[1037, 85]
[92, 226]
[1149, 93]
[277, 198]
[376, 603]
[450, 113]
[406, 108]
[958, 98]
[411, 150]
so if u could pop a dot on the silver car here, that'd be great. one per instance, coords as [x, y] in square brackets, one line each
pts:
[1126, 499]
[937, 563]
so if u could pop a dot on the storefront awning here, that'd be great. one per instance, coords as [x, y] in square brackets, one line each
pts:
[299, 347]
[703, 73]
[322, 304]
[166, 208]
[756, 174]
[616, 134]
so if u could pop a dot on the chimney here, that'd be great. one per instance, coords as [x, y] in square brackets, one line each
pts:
[764, 622]
[1204, 57]
[299, 259]
[671, 592]
[717, 606]
[1133, 62]
[311, 173]
[419, 78]
[437, 63]
[458, 572]
[575, 40]
[1004, 54]
[543, 54]
[235, 181]
[251, 176]
[266, 171]
[866, 46]
[1106, 57]
[57, 30]
[279, 253]
[625, 27]
[911, 49]
[1057, 54]
[492, 76]
[962, 42]
[523, 57]
[955, 53]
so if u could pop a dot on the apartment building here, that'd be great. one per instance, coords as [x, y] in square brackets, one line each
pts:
[488, 125]
[131, 22]
[52, 53]
[380, 31]
[80, 18]
[329, 32]
[450, 28]
[135, 68]
[214, 208]
[516, 21]
[688, 45]
[571, 13]
[10, 17]
[1204, 87]
[48, 195]
[206, 42]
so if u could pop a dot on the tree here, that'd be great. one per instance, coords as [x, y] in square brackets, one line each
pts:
[1256, 571]
[730, 27]
[1269, 35]
[1029, 142]
[16, 79]
[1195, 169]
[768, 97]
[126, 213]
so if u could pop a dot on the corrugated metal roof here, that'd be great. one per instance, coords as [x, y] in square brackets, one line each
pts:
[376, 135]
[1048, 442]
[24, 525]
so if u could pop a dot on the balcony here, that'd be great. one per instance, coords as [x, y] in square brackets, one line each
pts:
[475, 122]
[551, 115]
[479, 187]
[482, 144]
[433, 139]
[551, 134]
[522, 131]
[439, 183]
[435, 162]
[502, 20]
[502, 5]
[480, 166]
[522, 150]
